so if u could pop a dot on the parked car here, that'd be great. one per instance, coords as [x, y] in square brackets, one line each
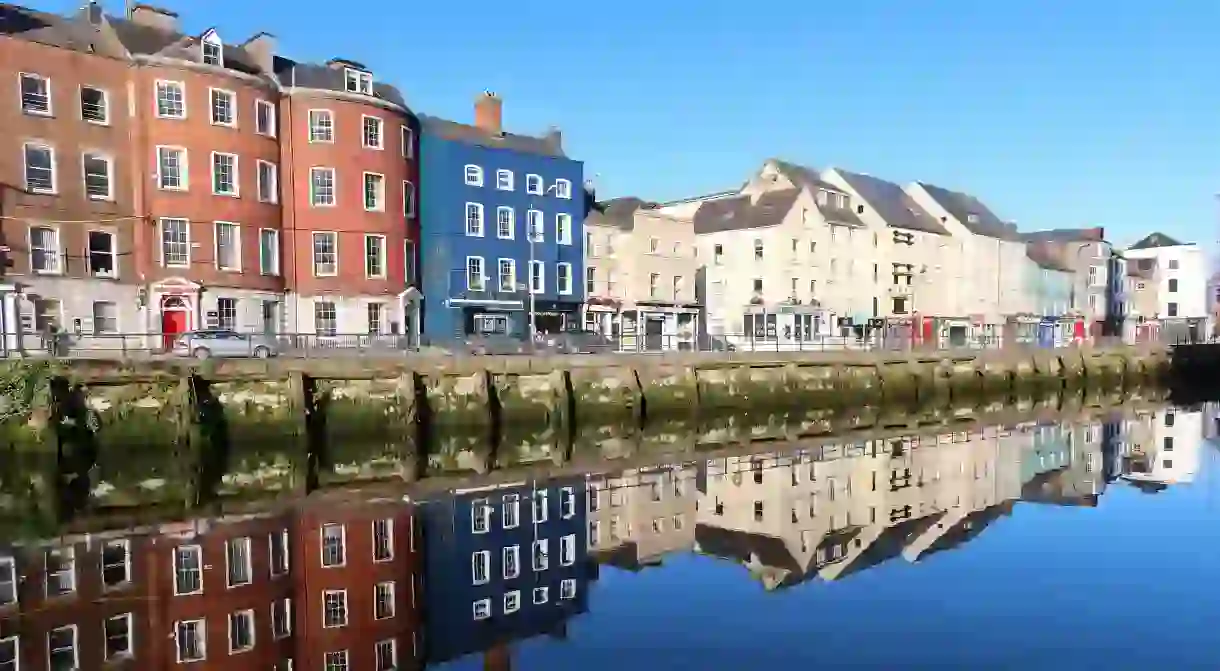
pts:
[495, 344]
[225, 344]
[577, 342]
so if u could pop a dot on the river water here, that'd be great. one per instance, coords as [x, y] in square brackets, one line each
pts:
[1042, 544]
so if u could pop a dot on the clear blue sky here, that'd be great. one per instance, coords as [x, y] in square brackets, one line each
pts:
[1054, 113]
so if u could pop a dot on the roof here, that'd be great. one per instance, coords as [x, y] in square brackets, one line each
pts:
[1142, 268]
[550, 144]
[808, 178]
[893, 204]
[1156, 240]
[618, 212]
[962, 205]
[742, 212]
[326, 77]
[146, 40]
[771, 552]
[1096, 234]
[65, 32]
[967, 529]
[889, 543]
[1042, 256]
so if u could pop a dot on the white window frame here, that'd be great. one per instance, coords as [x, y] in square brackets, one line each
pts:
[535, 226]
[381, 256]
[512, 601]
[161, 226]
[200, 627]
[211, 40]
[274, 190]
[363, 79]
[408, 198]
[474, 559]
[513, 551]
[538, 287]
[335, 592]
[75, 644]
[480, 609]
[481, 231]
[482, 275]
[25, 167]
[272, 122]
[392, 590]
[50, 110]
[504, 180]
[157, 98]
[512, 274]
[212, 93]
[563, 189]
[334, 186]
[249, 543]
[183, 168]
[563, 228]
[69, 552]
[567, 550]
[567, 588]
[237, 251]
[247, 612]
[407, 137]
[109, 160]
[336, 659]
[282, 535]
[236, 192]
[473, 175]
[510, 508]
[393, 646]
[9, 565]
[389, 521]
[560, 288]
[364, 136]
[181, 549]
[313, 253]
[131, 637]
[379, 204]
[512, 223]
[534, 185]
[567, 503]
[314, 118]
[342, 545]
[80, 98]
[541, 595]
[284, 605]
[101, 558]
[542, 544]
[55, 254]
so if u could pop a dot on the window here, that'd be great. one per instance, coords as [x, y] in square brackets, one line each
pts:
[383, 540]
[61, 648]
[541, 506]
[374, 132]
[563, 188]
[105, 317]
[35, 94]
[60, 570]
[358, 81]
[537, 277]
[408, 199]
[654, 245]
[325, 320]
[172, 169]
[511, 511]
[334, 548]
[386, 654]
[268, 182]
[563, 228]
[8, 654]
[325, 254]
[504, 180]
[474, 175]
[335, 661]
[373, 315]
[507, 275]
[281, 618]
[383, 600]
[39, 168]
[481, 609]
[118, 636]
[264, 118]
[567, 550]
[408, 142]
[1169, 419]
[321, 126]
[8, 581]
[116, 554]
[480, 516]
[334, 608]
[536, 232]
[540, 555]
[505, 223]
[96, 168]
[175, 243]
[277, 544]
[474, 273]
[374, 256]
[212, 50]
[224, 174]
[241, 631]
[512, 602]
[268, 251]
[228, 246]
[1173, 264]
[192, 640]
[1172, 309]
[654, 285]
[590, 280]
[94, 105]
[563, 278]
[567, 589]
[237, 554]
[374, 192]
[171, 100]
[510, 562]
[188, 570]
[224, 108]
[533, 185]
[44, 250]
[480, 567]
[541, 595]
[1173, 286]
[322, 187]
[758, 249]
[474, 220]
[567, 503]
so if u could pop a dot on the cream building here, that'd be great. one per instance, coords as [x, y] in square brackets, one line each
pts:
[640, 275]
[639, 515]
[1165, 447]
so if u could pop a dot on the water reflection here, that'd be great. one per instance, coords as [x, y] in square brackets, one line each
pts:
[353, 580]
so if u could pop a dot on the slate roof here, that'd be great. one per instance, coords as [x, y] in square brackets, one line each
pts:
[1044, 258]
[329, 78]
[148, 40]
[740, 212]
[892, 203]
[546, 145]
[742, 546]
[1095, 234]
[967, 529]
[1156, 240]
[889, 544]
[618, 212]
[809, 178]
[66, 32]
[961, 205]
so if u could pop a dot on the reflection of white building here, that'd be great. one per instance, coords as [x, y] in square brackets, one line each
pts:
[1171, 455]
[1211, 421]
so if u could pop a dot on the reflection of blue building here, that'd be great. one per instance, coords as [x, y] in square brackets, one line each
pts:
[504, 563]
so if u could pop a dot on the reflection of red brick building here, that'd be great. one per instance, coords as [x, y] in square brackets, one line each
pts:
[270, 591]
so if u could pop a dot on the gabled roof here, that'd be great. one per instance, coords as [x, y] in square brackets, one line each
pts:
[65, 32]
[328, 78]
[1095, 234]
[771, 552]
[967, 529]
[889, 544]
[618, 212]
[809, 178]
[140, 39]
[1156, 240]
[742, 212]
[893, 204]
[546, 145]
[962, 205]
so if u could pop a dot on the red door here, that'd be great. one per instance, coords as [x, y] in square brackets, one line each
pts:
[173, 322]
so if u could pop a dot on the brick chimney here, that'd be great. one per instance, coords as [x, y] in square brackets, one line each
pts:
[154, 17]
[261, 48]
[489, 113]
[554, 137]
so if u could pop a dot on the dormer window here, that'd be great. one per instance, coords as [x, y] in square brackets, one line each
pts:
[823, 197]
[358, 81]
[213, 50]
[972, 218]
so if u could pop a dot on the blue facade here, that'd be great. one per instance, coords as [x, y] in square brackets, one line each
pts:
[454, 302]
[486, 581]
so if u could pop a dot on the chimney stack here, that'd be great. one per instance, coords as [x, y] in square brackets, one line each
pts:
[154, 17]
[489, 113]
[261, 48]
[554, 137]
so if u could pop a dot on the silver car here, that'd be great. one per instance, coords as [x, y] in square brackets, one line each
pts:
[224, 344]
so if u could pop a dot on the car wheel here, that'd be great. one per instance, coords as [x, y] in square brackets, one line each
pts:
[202, 353]
[261, 352]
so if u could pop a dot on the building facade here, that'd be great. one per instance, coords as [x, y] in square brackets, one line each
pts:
[1180, 283]
[1097, 294]
[503, 228]
[650, 512]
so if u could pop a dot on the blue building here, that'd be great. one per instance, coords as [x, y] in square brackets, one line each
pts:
[501, 215]
[504, 563]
